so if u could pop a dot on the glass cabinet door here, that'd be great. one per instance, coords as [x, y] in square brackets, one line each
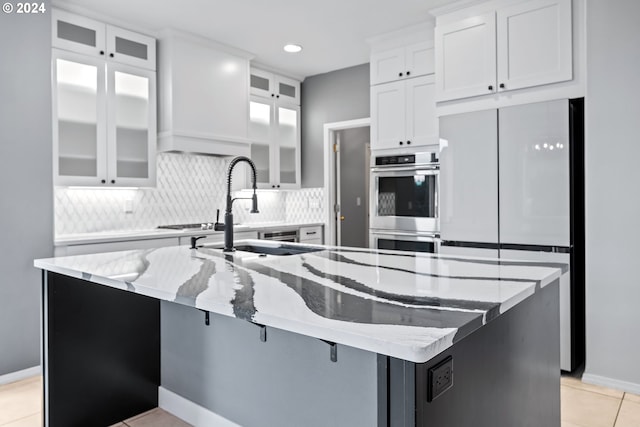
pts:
[261, 83]
[77, 33]
[131, 48]
[260, 134]
[79, 117]
[287, 90]
[132, 124]
[288, 137]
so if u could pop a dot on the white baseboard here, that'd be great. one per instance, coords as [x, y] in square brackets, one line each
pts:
[611, 383]
[190, 412]
[20, 375]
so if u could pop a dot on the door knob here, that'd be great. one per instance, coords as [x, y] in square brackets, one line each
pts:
[341, 217]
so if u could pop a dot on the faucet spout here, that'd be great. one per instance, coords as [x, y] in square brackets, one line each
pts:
[228, 215]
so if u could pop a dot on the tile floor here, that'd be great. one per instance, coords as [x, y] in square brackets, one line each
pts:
[583, 405]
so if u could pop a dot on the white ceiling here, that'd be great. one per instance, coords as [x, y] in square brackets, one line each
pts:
[332, 32]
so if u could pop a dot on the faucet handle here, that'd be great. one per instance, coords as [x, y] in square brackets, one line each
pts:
[218, 226]
[194, 239]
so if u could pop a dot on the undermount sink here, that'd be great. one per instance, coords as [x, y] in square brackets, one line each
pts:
[280, 250]
[266, 247]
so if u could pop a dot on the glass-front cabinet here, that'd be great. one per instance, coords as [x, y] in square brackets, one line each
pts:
[274, 130]
[79, 108]
[104, 108]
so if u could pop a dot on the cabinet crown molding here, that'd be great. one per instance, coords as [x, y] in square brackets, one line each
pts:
[172, 33]
[422, 32]
[454, 7]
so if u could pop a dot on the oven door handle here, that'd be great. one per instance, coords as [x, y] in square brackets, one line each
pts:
[400, 233]
[406, 169]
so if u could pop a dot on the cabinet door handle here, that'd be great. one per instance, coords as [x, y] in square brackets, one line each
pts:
[408, 142]
[113, 181]
[490, 87]
[273, 186]
[399, 74]
[408, 73]
[104, 181]
[401, 143]
[501, 85]
[273, 94]
[277, 96]
[102, 52]
[278, 185]
[111, 55]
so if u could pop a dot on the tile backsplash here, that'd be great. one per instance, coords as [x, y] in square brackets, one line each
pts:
[189, 190]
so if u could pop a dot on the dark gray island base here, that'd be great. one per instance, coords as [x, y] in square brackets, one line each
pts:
[107, 350]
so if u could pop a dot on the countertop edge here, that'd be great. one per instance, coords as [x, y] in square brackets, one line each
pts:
[92, 238]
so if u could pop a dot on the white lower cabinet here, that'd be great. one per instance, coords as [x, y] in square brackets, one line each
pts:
[93, 248]
[403, 113]
[311, 235]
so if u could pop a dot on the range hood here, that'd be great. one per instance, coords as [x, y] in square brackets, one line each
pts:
[186, 142]
[203, 96]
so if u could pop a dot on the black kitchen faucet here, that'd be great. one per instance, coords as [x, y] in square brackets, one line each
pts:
[227, 227]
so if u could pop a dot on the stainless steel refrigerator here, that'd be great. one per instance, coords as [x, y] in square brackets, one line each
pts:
[512, 185]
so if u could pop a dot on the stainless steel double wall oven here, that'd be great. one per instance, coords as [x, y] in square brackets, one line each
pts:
[404, 202]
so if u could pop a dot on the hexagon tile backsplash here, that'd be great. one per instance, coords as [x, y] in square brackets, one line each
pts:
[189, 190]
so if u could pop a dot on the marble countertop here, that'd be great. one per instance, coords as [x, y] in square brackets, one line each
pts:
[157, 233]
[407, 305]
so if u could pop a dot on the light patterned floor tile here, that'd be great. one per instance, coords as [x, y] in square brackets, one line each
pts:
[588, 409]
[34, 420]
[20, 399]
[156, 418]
[629, 415]
[577, 383]
[632, 397]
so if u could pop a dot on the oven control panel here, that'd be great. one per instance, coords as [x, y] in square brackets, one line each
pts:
[407, 159]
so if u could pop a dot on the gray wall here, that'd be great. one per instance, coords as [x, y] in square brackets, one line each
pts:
[332, 97]
[612, 194]
[26, 211]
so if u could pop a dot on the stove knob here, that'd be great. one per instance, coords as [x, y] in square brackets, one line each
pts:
[203, 226]
[209, 226]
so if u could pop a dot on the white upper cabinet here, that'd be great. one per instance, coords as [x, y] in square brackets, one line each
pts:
[534, 39]
[104, 127]
[270, 85]
[403, 114]
[104, 104]
[466, 58]
[524, 45]
[90, 37]
[401, 63]
[274, 130]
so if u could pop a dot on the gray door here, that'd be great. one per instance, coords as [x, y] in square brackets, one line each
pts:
[353, 187]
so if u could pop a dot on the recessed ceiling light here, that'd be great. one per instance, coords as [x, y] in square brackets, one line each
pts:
[292, 48]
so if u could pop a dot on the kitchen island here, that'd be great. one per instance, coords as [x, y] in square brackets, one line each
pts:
[318, 336]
